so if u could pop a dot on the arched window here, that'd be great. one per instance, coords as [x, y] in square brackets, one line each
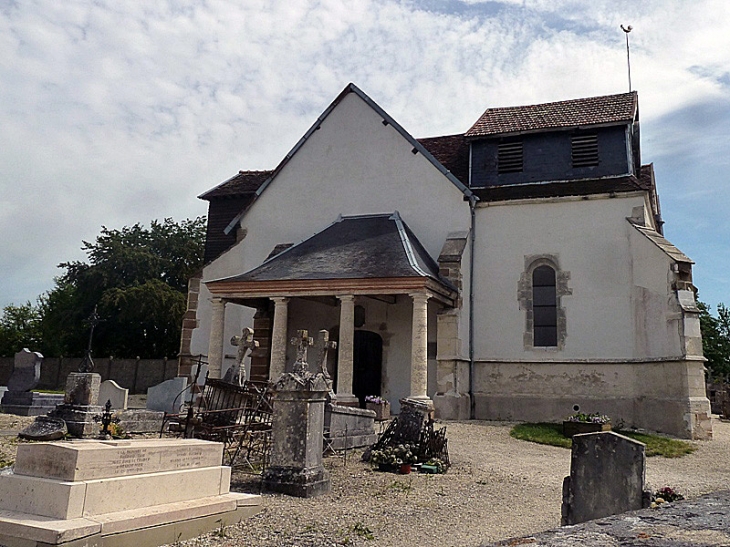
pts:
[544, 307]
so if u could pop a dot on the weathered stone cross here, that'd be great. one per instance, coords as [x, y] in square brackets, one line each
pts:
[244, 342]
[324, 346]
[302, 341]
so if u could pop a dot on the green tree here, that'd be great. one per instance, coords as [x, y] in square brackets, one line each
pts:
[137, 278]
[716, 339]
[20, 327]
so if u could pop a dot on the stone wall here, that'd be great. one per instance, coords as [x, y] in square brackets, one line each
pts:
[134, 374]
[664, 396]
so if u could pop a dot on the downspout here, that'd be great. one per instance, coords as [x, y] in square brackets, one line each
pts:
[472, 232]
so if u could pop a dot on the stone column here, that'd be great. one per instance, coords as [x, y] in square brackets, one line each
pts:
[215, 346]
[419, 346]
[345, 351]
[279, 337]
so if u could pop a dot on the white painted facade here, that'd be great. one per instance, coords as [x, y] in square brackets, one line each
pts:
[629, 348]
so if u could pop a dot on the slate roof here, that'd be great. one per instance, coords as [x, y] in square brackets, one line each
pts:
[663, 244]
[452, 151]
[605, 110]
[245, 182]
[355, 247]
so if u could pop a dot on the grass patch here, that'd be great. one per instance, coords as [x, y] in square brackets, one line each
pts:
[552, 434]
[541, 433]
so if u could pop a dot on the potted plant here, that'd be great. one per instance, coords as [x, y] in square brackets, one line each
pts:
[380, 406]
[581, 422]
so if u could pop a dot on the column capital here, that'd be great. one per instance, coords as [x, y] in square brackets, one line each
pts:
[279, 299]
[346, 297]
[419, 296]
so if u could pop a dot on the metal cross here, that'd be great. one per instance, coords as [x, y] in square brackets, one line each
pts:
[87, 363]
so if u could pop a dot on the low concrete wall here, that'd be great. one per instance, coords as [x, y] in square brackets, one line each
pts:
[134, 374]
[664, 396]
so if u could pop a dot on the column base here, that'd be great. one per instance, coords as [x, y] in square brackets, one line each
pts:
[293, 481]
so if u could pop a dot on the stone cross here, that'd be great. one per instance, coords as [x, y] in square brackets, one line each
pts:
[324, 346]
[302, 341]
[244, 343]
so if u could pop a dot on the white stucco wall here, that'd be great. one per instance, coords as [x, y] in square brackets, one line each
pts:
[352, 165]
[619, 302]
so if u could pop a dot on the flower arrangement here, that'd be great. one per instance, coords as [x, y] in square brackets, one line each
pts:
[394, 456]
[667, 494]
[594, 418]
[375, 399]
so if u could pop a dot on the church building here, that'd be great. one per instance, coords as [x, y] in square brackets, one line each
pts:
[511, 272]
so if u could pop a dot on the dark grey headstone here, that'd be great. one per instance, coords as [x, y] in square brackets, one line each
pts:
[26, 370]
[44, 429]
[607, 472]
[168, 396]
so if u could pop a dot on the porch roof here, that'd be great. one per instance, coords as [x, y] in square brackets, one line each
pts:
[366, 254]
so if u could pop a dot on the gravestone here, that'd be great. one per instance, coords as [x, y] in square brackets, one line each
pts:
[26, 371]
[142, 492]
[18, 397]
[297, 429]
[109, 390]
[607, 473]
[168, 396]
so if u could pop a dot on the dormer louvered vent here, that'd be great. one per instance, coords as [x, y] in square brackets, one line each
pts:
[509, 157]
[584, 150]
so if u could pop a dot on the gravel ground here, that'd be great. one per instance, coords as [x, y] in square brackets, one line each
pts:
[497, 488]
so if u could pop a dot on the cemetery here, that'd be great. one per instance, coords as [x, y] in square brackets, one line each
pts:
[290, 439]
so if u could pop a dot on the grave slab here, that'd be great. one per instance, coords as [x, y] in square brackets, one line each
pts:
[143, 506]
[167, 396]
[109, 390]
[92, 460]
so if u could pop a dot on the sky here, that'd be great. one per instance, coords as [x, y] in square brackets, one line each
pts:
[113, 113]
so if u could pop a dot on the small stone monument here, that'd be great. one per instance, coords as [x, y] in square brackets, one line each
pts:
[19, 398]
[607, 472]
[297, 428]
[81, 401]
[80, 404]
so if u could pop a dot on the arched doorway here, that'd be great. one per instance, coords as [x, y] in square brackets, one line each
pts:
[367, 365]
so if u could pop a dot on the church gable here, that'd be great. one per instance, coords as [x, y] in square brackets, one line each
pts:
[355, 160]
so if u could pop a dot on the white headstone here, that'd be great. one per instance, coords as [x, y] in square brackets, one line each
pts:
[111, 391]
[168, 396]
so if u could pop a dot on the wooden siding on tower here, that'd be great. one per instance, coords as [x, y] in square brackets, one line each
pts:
[220, 214]
[547, 156]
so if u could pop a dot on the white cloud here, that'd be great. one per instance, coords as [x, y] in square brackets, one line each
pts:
[119, 112]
